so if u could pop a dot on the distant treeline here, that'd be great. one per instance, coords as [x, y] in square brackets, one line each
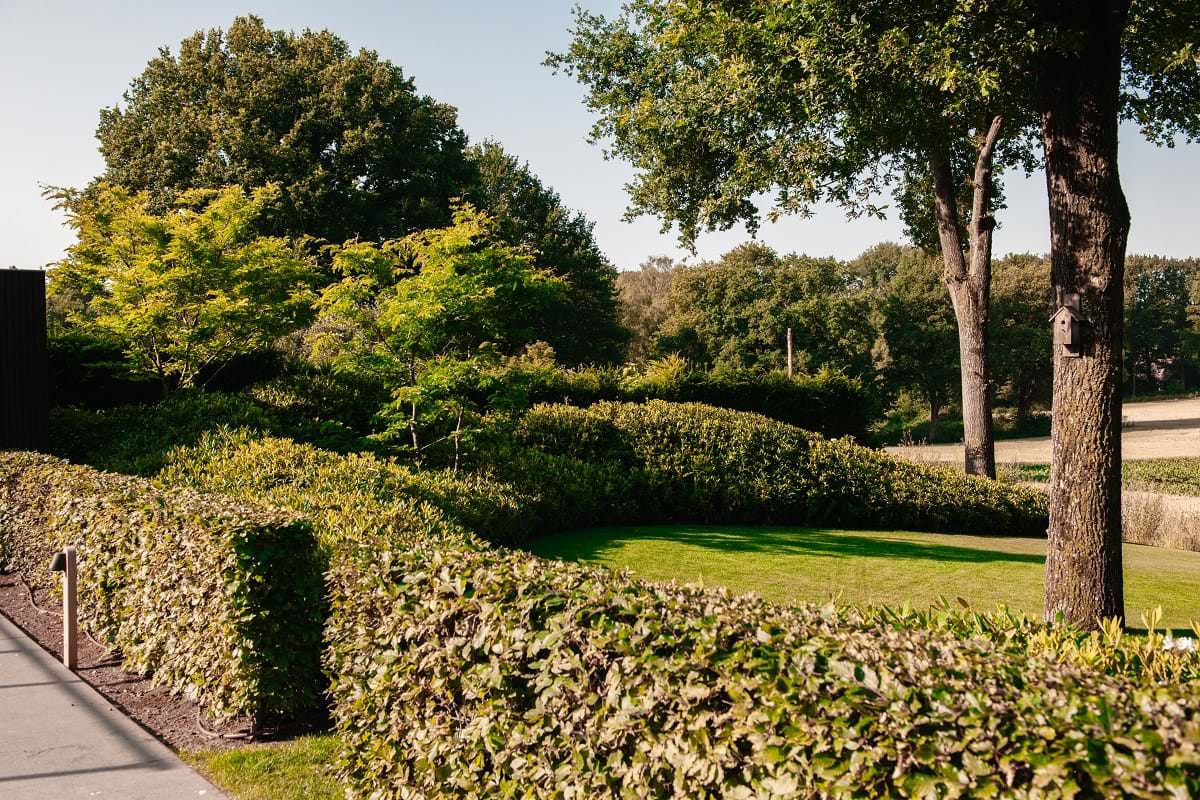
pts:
[885, 317]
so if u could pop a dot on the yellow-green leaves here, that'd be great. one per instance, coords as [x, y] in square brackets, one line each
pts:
[187, 290]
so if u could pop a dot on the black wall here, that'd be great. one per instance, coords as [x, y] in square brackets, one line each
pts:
[24, 402]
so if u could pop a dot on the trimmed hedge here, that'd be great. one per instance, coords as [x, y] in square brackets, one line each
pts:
[492, 674]
[216, 598]
[828, 403]
[696, 463]
[134, 439]
[349, 495]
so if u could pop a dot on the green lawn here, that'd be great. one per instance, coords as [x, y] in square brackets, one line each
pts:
[872, 567]
[297, 770]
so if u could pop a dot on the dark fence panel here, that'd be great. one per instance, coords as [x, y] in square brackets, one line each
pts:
[24, 401]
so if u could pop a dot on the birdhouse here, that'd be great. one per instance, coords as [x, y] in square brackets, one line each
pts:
[1068, 332]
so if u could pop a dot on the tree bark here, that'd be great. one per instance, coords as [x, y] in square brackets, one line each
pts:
[935, 408]
[1079, 82]
[969, 283]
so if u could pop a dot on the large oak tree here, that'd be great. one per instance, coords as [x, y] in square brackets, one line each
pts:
[356, 151]
[719, 102]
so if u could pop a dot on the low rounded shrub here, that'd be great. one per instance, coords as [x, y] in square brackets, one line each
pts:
[352, 493]
[134, 439]
[695, 463]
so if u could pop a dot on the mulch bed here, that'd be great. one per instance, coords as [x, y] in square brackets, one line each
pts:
[172, 718]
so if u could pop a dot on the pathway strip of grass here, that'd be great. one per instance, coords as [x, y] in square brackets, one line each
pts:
[789, 565]
[300, 769]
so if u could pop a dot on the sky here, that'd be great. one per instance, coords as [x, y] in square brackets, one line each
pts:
[61, 62]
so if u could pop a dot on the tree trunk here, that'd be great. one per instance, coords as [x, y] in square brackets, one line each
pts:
[970, 288]
[935, 409]
[1089, 225]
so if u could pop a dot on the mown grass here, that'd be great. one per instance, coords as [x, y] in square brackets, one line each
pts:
[297, 770]
[790, 565]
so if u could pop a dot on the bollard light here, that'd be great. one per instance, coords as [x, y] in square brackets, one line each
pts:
[65, 562]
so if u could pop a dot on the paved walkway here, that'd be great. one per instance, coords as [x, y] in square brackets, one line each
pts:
[60, 739]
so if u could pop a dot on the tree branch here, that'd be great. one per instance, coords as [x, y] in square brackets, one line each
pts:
[945, 211]
[982, 222]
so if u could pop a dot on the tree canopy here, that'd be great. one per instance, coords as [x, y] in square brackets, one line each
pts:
[722, 106]
[187, 290]
[526, 212]
[356, 151]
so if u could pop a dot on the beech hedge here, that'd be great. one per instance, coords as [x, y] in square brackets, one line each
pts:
[496, 674]
[216, 598]
[348, 495]
[696, 463]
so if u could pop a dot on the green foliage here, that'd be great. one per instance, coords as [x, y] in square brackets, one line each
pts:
[431, 334]
[829, 100]
[645, 303]
[1019, 336]
[695, 463]
[720, 104]
[215, 598]
[90, 369]
[1168, 475]
[531, 215]
[349, 495]
[186, 291]
[921, 338]
[134, 439]
[734, 313]
[354, 148]
[545, 678]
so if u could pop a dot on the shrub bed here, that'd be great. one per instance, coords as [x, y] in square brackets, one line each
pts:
[696, 463]
[134, 439]
[493, 674]
[213, 597]
[348, 495]
[828, 402]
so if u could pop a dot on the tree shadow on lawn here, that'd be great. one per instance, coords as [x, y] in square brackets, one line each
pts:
[592, 544]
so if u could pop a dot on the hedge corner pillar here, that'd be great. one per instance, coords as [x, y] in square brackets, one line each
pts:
[24, 390]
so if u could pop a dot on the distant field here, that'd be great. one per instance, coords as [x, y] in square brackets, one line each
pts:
[1161, 429]
[1163, 475]
[872, 567]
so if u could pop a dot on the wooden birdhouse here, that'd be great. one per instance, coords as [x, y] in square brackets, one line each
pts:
[1068, 332]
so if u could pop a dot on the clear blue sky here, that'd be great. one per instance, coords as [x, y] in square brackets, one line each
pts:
[61, 62]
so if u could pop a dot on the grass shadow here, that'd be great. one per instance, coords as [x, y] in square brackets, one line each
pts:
[591, 544]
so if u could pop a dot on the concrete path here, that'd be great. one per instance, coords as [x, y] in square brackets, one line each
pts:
[60, 739]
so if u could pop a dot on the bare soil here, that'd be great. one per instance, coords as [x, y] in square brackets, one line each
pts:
[172, 718]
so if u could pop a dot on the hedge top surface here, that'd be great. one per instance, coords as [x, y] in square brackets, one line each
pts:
[705, 464]
[500, 674]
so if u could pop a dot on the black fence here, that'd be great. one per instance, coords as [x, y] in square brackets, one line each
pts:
[24, 400]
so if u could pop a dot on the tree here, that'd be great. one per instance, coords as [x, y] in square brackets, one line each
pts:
[430, 312]
[644, 296]
[1156, 313]
[734, 313]
[527, 213]
[720, 101]
[355, 150]
[918, 330]
[187, 290]
[825, 99]
[1099, 61]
